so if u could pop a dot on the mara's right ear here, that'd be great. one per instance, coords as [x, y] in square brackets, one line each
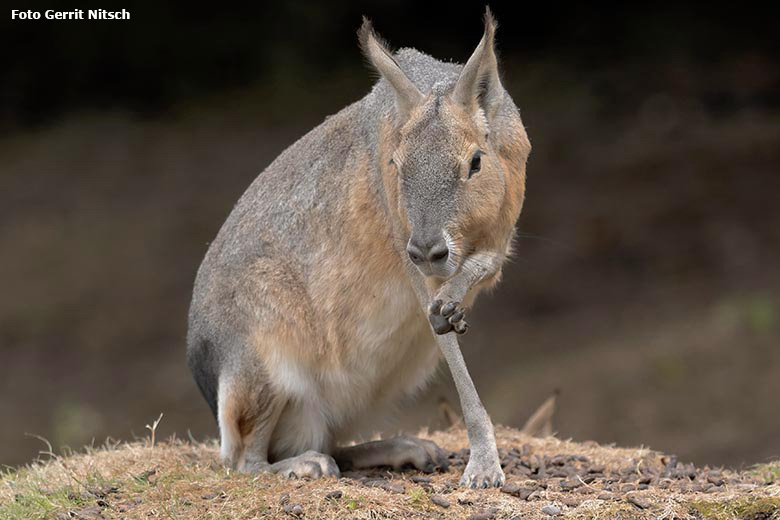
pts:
[479, 85]
[407, 95]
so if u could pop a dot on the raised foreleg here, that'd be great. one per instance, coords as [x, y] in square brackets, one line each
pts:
[446, 315]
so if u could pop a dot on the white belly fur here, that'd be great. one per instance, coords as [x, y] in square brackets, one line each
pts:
[394, 355]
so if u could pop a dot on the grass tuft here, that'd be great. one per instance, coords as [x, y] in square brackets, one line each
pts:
[769, 473]
[742, 508]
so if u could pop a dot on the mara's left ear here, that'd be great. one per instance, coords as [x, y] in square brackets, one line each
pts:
[479, 85]
[407, 96]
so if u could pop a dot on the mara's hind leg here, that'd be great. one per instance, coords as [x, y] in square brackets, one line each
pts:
[264, 375]
[397, 452]
[248, 415]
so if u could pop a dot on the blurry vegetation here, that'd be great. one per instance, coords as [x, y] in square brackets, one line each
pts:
[768, 472]
[739, 508]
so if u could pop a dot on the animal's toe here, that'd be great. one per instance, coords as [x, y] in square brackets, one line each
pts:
[326, 465]
[310, 469]
[330, 468]
[439, 324]
[461, 327]
[479, 476]
[425, 455]
[308, 465]
[448, 309]
[438, 457]
[456, 316]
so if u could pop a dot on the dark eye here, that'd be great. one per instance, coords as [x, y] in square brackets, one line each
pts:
[476, 164]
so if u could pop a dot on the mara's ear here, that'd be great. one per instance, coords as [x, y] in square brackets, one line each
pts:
[407, 95]
[479, 85]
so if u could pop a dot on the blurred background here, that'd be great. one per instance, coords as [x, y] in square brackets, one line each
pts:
[646, 285]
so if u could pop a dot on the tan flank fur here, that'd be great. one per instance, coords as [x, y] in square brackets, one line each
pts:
[343, 273]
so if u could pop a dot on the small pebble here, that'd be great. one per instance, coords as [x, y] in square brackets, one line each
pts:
[334, 495]
[551, 510]
[386, 485]
[572, 483]
[559, 460]
[490, 514]
[394, 488]
[293, 509]
[570, 501]
[638, 501]
[517, 490]
[440, 501]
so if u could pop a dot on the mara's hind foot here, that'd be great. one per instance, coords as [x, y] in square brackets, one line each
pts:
[396, 452]
[310, 464]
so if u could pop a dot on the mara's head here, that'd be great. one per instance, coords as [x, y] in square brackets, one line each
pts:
[458, 153]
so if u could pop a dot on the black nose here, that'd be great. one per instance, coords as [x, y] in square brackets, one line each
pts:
[434, 252]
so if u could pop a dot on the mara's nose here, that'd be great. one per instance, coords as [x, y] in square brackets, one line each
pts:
[433, 251]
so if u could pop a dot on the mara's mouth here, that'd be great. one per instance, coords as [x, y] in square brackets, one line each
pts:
[443, 270]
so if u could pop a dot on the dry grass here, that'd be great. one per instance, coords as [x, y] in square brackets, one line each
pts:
[184, 480]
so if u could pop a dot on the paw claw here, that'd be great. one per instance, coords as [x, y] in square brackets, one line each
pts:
[456, 316]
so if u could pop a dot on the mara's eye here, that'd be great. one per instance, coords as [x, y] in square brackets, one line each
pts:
[476, 164]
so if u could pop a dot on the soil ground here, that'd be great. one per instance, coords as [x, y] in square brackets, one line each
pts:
[547, 478]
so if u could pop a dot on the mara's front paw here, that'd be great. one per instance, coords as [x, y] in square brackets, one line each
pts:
[482, 474]
[447, 316]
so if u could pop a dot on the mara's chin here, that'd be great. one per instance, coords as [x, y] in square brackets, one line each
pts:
[439, 271]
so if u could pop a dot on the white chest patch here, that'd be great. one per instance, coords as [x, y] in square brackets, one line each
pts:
[389, 353]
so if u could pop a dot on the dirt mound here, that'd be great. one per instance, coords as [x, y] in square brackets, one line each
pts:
[546, 478]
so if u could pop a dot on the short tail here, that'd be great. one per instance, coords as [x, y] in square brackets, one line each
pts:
[203, 366]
